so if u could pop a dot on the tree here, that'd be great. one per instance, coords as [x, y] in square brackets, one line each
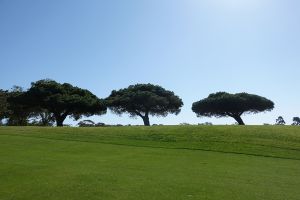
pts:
[62, 100]
[280, 121]
[222, 104]
[18, 113]
[143, 100]
[86, 123]
[3, 104]
[296, 121]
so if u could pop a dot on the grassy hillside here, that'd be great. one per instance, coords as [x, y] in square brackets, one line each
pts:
[167, 162]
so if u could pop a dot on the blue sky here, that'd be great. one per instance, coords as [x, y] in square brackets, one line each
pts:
[191, 47]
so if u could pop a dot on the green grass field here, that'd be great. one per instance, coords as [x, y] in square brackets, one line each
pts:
[143, 163]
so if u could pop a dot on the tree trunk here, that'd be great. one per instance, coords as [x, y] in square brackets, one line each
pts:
[43, 119]
[239, 120]
[60, 119]
[59, 122]
[146, 120]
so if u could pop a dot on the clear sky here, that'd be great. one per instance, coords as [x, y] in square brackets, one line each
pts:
[192, 47]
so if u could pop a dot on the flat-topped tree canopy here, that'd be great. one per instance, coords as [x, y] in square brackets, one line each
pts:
[143, 100]
[63, 100]
[222, 104]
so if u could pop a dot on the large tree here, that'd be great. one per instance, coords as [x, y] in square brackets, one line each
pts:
[3, 104]
[223, 104]
[62, 100]
[143, 100]
[18, 113]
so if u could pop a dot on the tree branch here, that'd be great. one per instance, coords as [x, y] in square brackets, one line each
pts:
[138, 113]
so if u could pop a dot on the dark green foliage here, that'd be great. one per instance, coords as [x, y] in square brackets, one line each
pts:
[280, 121]
[62, 100]
[15, 113]
[99, 124]
[143, 100]
[18, 113]
[3, 104]
[296, 121]
[223, 104]
[86, 123]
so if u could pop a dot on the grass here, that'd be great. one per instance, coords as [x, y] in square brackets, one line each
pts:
[143, 163]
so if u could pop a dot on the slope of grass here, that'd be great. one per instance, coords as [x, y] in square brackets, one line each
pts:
[169, 162]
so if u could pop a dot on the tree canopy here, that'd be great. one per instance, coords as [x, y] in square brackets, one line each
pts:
[222, 104]
[62, 100]
[296, 121]
[143, 100]
[3, 104]
[86, 123]
[280, 121]
[18, 113]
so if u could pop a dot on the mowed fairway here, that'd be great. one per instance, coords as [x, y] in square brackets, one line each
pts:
[136, 163]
